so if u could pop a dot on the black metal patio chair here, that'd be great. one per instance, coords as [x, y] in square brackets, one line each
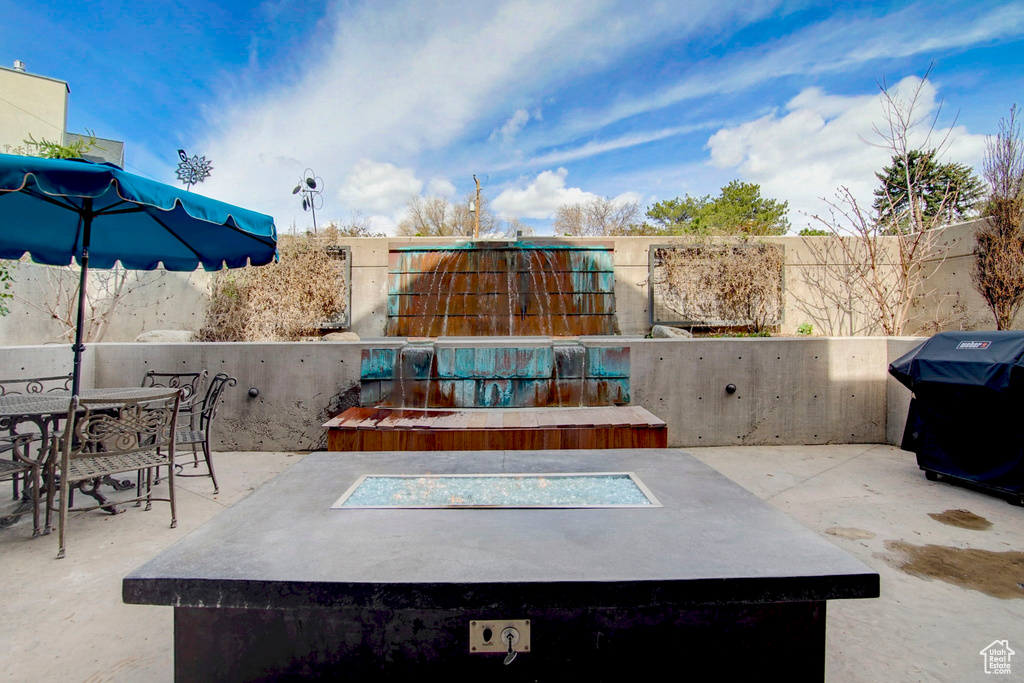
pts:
[196, 437]
[191, 385]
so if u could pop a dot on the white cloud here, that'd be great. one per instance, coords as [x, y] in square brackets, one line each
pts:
[384, 224]
[395, 82]
[540, 198]
[830, 46]
[596, 147]
[818, 145]
[510, 128]
[400, 80]
[440, 187]
[412, 80]
[629, 197]
[378, 187]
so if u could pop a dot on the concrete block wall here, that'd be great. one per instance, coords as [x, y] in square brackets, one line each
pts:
[164, 301]
[789, 390]
[50, 360]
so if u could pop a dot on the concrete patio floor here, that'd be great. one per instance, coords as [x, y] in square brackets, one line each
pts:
[64, 620]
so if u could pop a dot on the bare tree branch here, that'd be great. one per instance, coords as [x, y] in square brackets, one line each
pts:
[875, 277]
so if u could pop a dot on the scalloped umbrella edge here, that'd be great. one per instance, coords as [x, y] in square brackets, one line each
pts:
[64, 210]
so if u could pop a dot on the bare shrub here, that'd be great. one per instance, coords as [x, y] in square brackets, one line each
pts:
[724, 284]
[596, 216]
[999, 268]
[281, 301]
[439, 217]
[867, 278]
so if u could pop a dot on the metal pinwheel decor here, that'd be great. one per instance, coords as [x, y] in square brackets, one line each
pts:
[193, 170]
[311, 187]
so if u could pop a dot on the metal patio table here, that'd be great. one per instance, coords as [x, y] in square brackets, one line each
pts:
[45, 411]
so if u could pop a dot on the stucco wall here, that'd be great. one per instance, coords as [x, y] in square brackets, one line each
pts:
[789, 390]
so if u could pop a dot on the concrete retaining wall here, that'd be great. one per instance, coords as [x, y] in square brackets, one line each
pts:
[789, 390]
[177, 301]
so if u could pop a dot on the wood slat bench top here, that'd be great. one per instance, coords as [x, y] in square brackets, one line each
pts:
[480, 429]
[495, 418]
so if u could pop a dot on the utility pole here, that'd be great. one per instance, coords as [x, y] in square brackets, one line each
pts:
[476, 214]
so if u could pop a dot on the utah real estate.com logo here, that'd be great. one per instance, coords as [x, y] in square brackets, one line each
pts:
[997, 657]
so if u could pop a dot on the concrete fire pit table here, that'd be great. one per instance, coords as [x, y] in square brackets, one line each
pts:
[714, 581]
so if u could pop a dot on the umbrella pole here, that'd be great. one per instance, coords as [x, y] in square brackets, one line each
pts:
[79, 346]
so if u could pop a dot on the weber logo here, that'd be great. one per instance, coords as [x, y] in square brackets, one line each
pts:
[973, 345]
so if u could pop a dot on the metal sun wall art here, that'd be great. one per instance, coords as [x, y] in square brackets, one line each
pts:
[193, 170]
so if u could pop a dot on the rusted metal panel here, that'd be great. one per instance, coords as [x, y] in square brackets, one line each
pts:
[416, 361]
[530, 393]
[369, 393]
[494, 393]
[535, 361]
[607, 361]
[568, 392]
[377, 363]
[560, 374]
[606, 392]
[500, 290]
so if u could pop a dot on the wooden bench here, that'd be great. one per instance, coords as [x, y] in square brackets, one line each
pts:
[399, 429]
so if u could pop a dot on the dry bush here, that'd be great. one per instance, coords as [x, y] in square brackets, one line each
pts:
[282, 301]
[999, 268]
[724, 285]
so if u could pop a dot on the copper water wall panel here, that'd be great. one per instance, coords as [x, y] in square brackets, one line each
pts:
[556, 292]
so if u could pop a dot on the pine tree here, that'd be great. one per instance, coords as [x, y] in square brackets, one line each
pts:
[943, 193]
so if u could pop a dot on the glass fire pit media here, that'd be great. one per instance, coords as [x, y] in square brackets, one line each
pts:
[532, 490]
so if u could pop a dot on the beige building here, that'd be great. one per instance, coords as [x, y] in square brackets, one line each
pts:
[36, 107]
[30, 105]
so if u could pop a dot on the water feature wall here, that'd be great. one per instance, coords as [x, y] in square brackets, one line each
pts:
[501, 289]
[531, 374]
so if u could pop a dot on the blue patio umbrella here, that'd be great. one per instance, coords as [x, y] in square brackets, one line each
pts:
[57, 210]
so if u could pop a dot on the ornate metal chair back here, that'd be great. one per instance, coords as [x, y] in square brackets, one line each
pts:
[107, 436]
[99, 427]
[190, 384]
[35, 385]
[213, 399]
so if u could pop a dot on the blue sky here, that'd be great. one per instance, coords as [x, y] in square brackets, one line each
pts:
[547, 102]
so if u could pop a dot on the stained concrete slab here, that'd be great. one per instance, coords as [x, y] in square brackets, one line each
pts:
[63, 620]
[921, 629]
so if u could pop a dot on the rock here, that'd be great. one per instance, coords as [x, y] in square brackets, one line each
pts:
[666, 332]
[166, 336]
[340, 336]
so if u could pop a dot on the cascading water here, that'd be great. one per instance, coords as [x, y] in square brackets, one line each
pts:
[501, 289]
[461, 374]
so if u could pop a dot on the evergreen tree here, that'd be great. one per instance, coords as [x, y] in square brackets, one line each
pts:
[942, 193]
[738, 210]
